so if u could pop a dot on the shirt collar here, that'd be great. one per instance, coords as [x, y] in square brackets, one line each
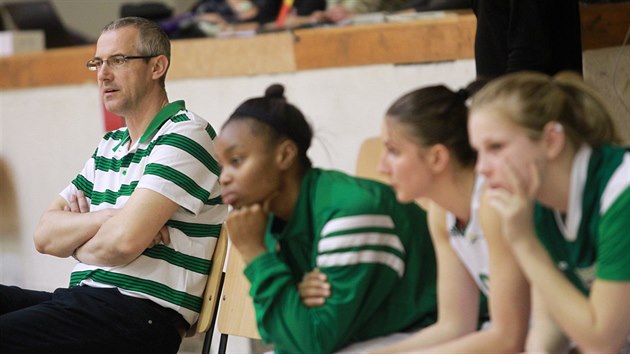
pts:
[576, 191]
[162, 116]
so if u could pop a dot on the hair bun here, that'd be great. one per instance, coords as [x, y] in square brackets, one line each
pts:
[463, 94]
[275, 91]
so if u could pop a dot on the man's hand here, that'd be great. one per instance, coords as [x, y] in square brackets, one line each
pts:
[338, 13]
[314, 289]
[163, 236]
[77, 203]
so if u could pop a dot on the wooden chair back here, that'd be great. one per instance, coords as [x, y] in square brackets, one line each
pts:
[213, 286]
[237, 316]
[210, 300]
[367, 161]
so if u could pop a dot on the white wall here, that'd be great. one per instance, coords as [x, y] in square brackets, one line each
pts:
[344, 106]
[44, 137]
[608, 71]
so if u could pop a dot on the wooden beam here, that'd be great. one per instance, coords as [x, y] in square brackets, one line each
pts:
[448, 38]
[49, 68]
[425, 40]
[263, 54]
[604, 25]
[194, 58]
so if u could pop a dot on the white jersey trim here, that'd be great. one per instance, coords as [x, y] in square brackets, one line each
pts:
[579, 173]
[363, 239]
[357, 221]
[472, 247]
[351, 258]
[618, 183]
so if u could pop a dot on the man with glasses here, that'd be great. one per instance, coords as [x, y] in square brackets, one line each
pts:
[141, 218]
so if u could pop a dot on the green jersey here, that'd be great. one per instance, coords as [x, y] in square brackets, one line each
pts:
[592, 240]
[376, 253]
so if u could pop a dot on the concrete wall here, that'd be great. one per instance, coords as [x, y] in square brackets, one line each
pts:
[608, 71]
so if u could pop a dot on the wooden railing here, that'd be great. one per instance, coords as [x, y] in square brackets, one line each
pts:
[449, 37]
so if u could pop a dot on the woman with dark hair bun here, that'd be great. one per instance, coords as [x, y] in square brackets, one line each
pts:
[290, 218]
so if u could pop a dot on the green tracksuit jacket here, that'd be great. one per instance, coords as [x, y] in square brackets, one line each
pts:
[376, 252]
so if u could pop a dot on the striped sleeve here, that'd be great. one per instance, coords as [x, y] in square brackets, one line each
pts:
[181, 166]
[361, 239]
[84, 181]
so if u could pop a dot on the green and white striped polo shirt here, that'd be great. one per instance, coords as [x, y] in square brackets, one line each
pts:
[174, 157]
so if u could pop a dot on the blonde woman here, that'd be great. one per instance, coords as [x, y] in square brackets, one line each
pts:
[562, 188]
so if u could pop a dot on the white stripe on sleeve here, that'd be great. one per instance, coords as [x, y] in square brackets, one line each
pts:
[361, 239]
[618, 183]
[357, 221]
[351, 258]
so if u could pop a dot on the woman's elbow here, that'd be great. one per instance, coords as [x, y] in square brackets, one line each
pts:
[511, 345]
[463, 329]
[511, 341]
[456, 327]
[605, 345]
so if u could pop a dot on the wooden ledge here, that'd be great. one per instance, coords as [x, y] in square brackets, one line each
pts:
[49, 68]
[441, 39]
[604, 25]
[262, 54]
[423, 40]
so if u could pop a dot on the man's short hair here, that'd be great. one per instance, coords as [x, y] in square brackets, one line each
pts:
[152, 40]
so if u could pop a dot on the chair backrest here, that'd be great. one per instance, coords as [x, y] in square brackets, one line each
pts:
[213, 286]
[236, 314]
[367, 161]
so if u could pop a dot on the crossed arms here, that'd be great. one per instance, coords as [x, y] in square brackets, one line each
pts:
[108, 237]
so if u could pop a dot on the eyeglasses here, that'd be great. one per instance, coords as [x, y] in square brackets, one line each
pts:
[114, 61]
